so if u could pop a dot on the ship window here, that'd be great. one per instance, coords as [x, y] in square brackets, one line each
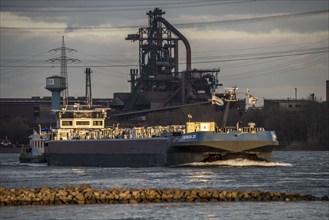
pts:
[82, 114]
[83, 123]
[67, 115]
[98, 115]
[97, 123]
[67, 123]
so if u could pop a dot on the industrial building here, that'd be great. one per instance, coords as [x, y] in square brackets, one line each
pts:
[38, 109]
[159, 82]
[289, 105]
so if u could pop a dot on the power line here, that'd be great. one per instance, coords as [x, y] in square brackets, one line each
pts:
[182, 25]
[256, 19]
[248, 63]
[263, 57]
[275, 71]
[211, 61]
[109, 8]
[266, 53]
[282, 67]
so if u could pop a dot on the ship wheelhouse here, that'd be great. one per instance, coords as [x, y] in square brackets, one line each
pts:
[81, 118]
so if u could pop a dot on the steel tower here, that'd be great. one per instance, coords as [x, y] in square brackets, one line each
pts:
[63, 59]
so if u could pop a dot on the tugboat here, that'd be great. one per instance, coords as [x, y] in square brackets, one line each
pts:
[34, 152]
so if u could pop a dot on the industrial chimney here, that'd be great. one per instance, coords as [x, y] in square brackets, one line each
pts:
[295, 93]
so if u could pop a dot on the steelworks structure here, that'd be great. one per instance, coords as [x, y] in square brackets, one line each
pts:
[158, 83]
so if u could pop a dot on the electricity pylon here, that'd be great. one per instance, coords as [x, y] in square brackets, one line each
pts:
[63, 59]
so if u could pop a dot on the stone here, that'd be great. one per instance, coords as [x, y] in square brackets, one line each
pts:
[133, 201]
[234, 195]
[84, 186]
[80, 196]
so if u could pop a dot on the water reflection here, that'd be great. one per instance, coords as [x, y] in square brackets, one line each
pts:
[202, 176]
[78, 171]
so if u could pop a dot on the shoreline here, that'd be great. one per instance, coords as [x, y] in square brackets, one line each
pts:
[9, 150]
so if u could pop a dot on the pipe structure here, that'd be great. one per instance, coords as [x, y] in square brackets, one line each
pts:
[181, 37]
[188, 53]
[176, 57]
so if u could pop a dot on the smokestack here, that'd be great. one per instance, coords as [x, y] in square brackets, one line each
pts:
[89, 99]
[295, 93]
[327, 90]
[312, 96]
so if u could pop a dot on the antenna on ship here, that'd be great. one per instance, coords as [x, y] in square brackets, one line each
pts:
[63, 59]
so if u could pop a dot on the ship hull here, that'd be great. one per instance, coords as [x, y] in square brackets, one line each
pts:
[32, 159]
[158, 152]
[30, 155]
[108, 152]
[222, 146]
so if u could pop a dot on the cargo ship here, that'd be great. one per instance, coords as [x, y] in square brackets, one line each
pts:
[82, 139]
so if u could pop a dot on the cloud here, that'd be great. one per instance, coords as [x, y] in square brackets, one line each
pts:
[15, 21]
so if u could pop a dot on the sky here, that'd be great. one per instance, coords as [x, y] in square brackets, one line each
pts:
[270, 47]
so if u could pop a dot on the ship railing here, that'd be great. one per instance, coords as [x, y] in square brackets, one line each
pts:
[228, 129]
[118, 133]
[242, 130]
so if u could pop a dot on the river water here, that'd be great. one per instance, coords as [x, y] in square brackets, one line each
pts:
[291, 172]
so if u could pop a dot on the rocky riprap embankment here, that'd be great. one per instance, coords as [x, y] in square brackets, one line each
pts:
[85, 194]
